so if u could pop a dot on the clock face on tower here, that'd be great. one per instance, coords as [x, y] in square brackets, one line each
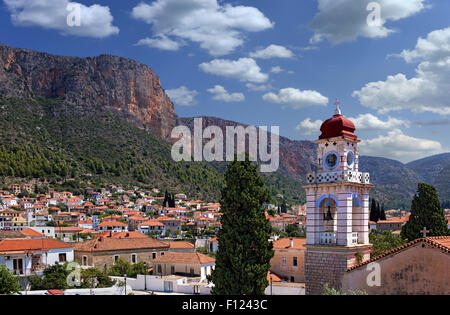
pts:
[331, 160]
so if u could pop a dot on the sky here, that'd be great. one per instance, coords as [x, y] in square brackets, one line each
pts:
[272, 63]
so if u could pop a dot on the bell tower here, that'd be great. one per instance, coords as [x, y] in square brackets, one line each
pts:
[337, 216]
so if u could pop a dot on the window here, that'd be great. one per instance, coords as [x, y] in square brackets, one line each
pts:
[172, 270]
[133, 258]
[162, 253]
[116, 258]
[84, 260]
[294, 262]
[62, 257]
[159, 269]
[283, 261]
[153, 255]
[292, 279]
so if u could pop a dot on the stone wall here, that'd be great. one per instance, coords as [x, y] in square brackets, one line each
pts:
[324, 266]
[420, 269]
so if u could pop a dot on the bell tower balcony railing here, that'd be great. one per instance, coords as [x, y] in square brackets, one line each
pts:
[338, 177]
[328, 238]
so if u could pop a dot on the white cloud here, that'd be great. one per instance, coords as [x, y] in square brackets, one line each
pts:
[309, 127]
[260, 87]
[364, 122]
[161, 42]
[96, 20]
[433, 48]
[296, 98]
[371, 122]
[221, 94]
[244, 69]
[272, 51]
[276, 69]
[217, 28]
[396, 145]
[182, 96]
[427, 91]
[345, 20]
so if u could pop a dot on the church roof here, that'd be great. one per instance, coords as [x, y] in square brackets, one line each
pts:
[337, 126]
[438, 242]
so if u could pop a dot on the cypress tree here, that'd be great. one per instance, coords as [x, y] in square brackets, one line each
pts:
[243, 258]
[374, 212]
[426, 212]
[382, 213]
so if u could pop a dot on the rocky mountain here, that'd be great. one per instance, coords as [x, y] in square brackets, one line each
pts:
[109, 118]
[436, 171]
[106, 83]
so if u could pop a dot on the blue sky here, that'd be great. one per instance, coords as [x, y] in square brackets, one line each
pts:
[265, 62]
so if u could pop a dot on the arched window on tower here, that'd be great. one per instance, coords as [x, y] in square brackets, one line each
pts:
[328, 221]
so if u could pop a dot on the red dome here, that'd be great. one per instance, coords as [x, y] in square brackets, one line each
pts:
[337, 126]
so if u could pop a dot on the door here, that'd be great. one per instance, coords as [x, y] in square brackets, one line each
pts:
[18, 266]
[168, 286]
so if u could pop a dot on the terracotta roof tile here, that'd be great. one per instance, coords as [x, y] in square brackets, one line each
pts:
[439, 242]
[43, 244]
[31, 232]
[108, 244]
[184, 258]
[285, 243]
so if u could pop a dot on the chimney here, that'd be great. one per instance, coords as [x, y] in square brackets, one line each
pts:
[292, 243]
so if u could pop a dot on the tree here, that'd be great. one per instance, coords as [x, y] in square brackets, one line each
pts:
[55, 277]
[243, 258]
[120, 268]
[382, 242]
[9, 284]
[374, 211]
[102, 280]
[426, 212]
[382, 214]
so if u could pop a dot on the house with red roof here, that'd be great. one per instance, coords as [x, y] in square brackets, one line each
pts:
[113, 226]
[28, 256]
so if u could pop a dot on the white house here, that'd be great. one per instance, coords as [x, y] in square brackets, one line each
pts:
[29, 256]
[113, 226]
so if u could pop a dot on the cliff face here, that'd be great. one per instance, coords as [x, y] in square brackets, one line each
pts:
[121, 85]
[297, 158]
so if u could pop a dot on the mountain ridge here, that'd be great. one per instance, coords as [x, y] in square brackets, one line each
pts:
[70, 93]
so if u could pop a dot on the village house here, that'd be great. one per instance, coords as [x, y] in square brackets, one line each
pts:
[28, 256]
[67, 234]
[102, 252]
[189, 264]
[391, 224]
[153, 225]
[288, 261]
[113, 226]
[180, 246]
[15, 189]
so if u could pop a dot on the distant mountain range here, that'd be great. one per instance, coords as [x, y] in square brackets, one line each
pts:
[107, 119]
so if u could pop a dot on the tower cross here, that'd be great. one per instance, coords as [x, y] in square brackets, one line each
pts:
[424, 232]
[338, 110]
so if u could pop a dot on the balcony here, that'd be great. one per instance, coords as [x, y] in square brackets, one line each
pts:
[354, 238]
[338, 177]
[328, 238]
